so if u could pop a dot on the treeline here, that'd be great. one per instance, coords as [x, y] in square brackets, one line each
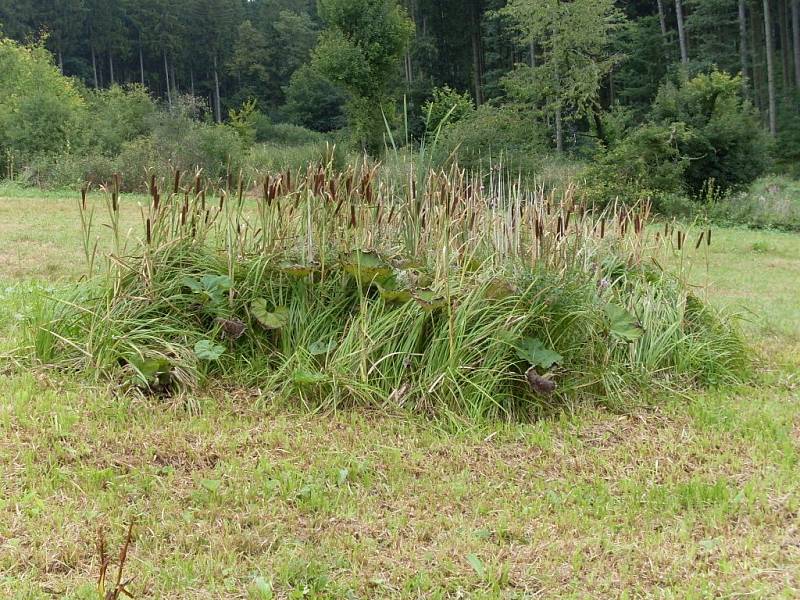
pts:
[673, 98]
[229, 51]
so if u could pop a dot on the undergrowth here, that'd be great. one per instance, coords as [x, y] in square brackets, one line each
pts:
[441, 293]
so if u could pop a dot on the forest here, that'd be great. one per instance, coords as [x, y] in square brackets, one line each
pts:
[636, 99]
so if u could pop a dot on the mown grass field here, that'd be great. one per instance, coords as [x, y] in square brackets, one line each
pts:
[688, 497]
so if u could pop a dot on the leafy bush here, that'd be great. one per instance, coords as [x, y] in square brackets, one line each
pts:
[41, 111]
[506, 135]
[446, 107]
[312, 101]
[115, 116]
[726, 141]
[699, 130]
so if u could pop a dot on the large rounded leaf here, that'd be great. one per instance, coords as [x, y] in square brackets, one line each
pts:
[366, 266]
[276, 319]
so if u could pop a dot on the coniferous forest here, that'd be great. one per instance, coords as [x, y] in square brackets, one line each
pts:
[637, 98]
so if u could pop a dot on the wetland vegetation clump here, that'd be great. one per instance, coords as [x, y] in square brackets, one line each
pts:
[439, 292]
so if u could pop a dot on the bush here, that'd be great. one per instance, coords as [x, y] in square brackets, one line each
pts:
[116, 116]
[312, 101]
[506, 135]
[647, 163]
[726, 141]
[698, 131]
[446, 107]
[41, 111]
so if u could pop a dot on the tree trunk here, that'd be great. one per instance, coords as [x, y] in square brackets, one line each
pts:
[60, 62]
[796, 36]
[191, 81]
[166, 74]
[111, 67]
[532, 50]
[217, 103]
[477, 54]
[662, 19]
[770, 50]
[756, 66]
[94, 68]
[559, 132]
[786, 57]
[682, 32]
[141, 63]
[743, 38]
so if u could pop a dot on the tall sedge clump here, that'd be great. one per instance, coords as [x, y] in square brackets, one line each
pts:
[440, 292]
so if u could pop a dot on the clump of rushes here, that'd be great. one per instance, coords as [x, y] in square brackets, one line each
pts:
[459, 295]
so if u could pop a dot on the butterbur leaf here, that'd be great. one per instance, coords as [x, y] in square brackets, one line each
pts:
[276, 319]
[321, 347]
[537, 354]
[193, 284]
[429, 300]
[216, 283]
[366, 266]
[622, 324]
[296, 269]
[391, 290]
[262, 589]
[477, 565]
[152, 370]
[208, 350]
[342, 476]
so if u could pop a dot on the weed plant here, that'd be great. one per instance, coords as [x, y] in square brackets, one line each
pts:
[446, 293]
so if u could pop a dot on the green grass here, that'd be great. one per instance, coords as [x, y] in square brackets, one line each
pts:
[694, 498]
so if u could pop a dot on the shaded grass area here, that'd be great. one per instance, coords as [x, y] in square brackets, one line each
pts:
[697, 498]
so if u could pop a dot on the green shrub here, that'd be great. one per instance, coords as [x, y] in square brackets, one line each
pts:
[699, 131]
[446, 107]
[41, 111]
[506, 135]
[647, 163]
[312, 101]
[117, 115]
[727, 143]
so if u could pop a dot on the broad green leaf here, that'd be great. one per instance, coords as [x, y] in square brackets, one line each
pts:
[216, 283]
[537, 354]
[151, 370]
[342, 476]
[622, 324]
[276, 319]
[208, 350]
[477, 565]
[296, 269]
[391, 290]
[366, 266]
[499, 289]
[262, 589]
[429, 300]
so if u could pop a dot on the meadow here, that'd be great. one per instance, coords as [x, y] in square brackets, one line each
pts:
[683, 495]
